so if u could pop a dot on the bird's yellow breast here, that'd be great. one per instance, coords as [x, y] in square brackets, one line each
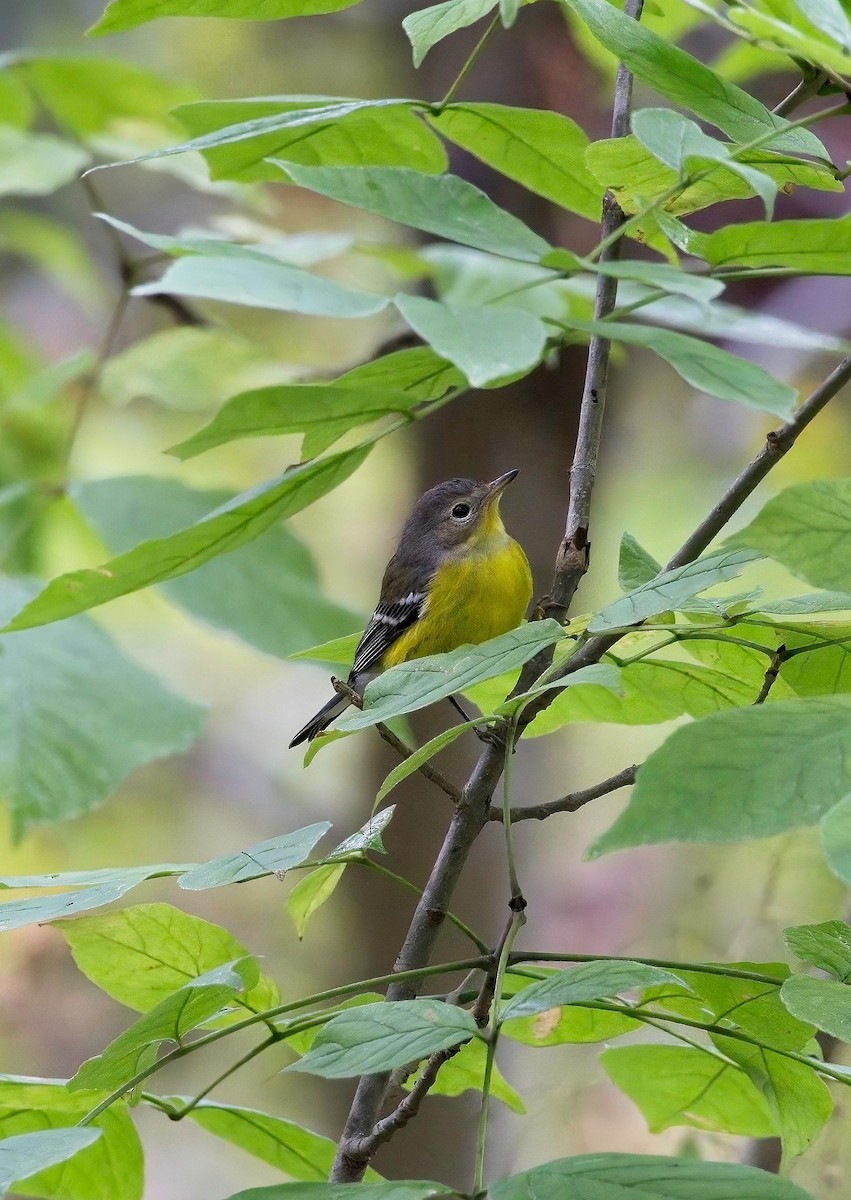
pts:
[476, 595]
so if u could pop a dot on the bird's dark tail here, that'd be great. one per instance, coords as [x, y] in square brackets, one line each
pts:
[321, 721]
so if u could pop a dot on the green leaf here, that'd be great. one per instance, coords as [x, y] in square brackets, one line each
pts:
[636, 566]
[367, 838]
[141, 955]
[299, 250]
[812, 602]
[826, 946]
[830, 17]
[398, 1190]
[36, 164]
[484, 342]
[441, 204]
[277, 854]
[682, 145]
[110, 1169]
[310, 893]
[805, 528]
[704, 366]
[684, 81]
[792, 39]
[747, 773]
[560, 1026]
[588, 981]
[24, 1154]
[671, 589]
[226, 529]
[420, 682]
[835, 835]
[127, 14]
[430, 25]
[170, 1021]
[664, 277]
[464, 1072]
[824, 1002]
[811, 246]
[379, 1037]
[678, 1085]
[244, 281]
[79, 717]
[129, 510]
[639, 1177]
[318, 131]
[287, 1147]
[544, 151]
[39, 909]
[421, 755]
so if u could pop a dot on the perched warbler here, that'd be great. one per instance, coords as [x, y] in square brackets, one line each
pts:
[456, 578]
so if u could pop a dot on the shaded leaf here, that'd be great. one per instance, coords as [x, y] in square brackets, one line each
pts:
[826, 946]
[429, 26]
[276, 854]
[588, 981]
[311, 892]
[40, 909]
[635, 565]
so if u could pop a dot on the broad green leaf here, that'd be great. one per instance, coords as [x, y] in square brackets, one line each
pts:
[684, 81]
[485, 343]
[671, 589]
[401, 1190]
[806, 528]
[40, 909]
[636, 566]
[36, 164]
[277, 854]
[77, 718]
[588, 981]
[127, 14]
[337, 653]
[379, 1037]
[110, 1169]
[312, 130]
[93, 96]
[544, 151]
[311, 892]
[429, 26]
[420, 682]
[421, 755]
[170, 1021]
[441, 204]
[244, 281]
[639, 1177]
[24, 1154]
[826, 946]
[704, 366]
[679, 1085]
[835, 836]
[814, 246]
[797, 1098]
[824, 1002]
[189, 369]
[142, 955]
[464, 1072]
[301, 1040]
[225, 529]
[287, 1147]
[560, 1026]
[129, 510]
[747, 773]
[682, 145]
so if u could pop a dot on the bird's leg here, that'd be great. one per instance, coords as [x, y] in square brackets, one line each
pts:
[483, 733]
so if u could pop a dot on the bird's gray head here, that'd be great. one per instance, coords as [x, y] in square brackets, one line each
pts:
[456, 513]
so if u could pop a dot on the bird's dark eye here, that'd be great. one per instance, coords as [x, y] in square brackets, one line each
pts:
[461, 510]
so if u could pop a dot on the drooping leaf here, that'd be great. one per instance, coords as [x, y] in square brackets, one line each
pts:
[485, 343]
[77, 717]
[225, 529]
[826, 946]
[588, 981]
[429, 26]
[441, 204]
[635, 565]
[671, 589]
[544, 151]
[130, 510]
[805, 528]
[813, 246]
[267, 857]
[143, 954]
[311, 892]
[415, 684]
[127, 14]
[746, 773]
[379, 1037]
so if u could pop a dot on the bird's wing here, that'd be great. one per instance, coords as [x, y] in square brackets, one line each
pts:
[390, 619]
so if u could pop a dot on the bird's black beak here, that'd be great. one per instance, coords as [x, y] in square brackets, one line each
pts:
[501, 483]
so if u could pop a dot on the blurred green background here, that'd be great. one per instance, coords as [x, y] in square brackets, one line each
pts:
[666, 455]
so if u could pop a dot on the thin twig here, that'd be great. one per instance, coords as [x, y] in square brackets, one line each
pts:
[772, 671]
[407, 1108]
[179, 1113]
[570, 803]
[805, 89]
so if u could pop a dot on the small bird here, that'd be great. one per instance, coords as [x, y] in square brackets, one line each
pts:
[456, 578]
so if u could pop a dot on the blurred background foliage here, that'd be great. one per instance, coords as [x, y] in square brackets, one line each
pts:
[667, 452]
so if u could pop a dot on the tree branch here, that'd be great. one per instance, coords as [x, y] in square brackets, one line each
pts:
[570, 803]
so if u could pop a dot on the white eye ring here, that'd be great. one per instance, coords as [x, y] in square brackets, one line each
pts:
[461, 512]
